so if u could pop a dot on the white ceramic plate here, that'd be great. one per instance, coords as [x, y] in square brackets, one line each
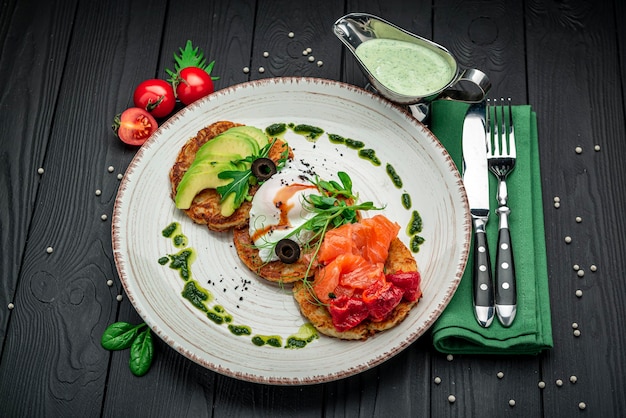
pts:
[143, 209]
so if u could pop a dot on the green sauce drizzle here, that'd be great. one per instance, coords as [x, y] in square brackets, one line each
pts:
[350, 143]
[169, 230]
[219, 315]
[354, 144]
[415, 224]
[271, 340]
[180, 241]
[415, 243]
[173, 231]
[310, 132]
[336, 139]
[406, 201]
[413, 228]
[276, 129]
[395, 178]
[164, 260]
[304, 336]
[369, 154]
[195, 294]
[181, 261]
[239, 330]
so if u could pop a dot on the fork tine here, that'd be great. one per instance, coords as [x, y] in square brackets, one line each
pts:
[512, 150]
[497, 131]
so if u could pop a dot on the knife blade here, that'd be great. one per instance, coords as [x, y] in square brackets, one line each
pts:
[476, 181]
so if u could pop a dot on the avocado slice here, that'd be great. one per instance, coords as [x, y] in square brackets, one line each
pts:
[201, 175]
[222, 153]
[227, 207]
[228, 143]
[255, 133]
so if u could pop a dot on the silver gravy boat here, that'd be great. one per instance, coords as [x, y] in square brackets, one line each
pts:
[467, 85]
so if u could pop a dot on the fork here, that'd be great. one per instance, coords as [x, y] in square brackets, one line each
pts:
[501, 161]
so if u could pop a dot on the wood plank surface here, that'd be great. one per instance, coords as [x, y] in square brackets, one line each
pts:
[55, 363]
[34, 61]
[571, 54]
[68, 67]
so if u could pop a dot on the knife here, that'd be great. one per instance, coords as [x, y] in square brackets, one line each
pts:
[476, 181]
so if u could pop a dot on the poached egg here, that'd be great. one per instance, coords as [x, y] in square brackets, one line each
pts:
[278, 208]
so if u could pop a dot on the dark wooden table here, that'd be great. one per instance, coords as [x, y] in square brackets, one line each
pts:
[68, 66]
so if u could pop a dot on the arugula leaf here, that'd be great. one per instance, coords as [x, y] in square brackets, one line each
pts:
[141, 352]
[119, 335]
[242, 178]
[240, 185]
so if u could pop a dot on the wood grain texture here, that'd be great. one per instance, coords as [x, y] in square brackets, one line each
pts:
[489, 36]
[32, 56]
[311, 28]
[55, 363]
[585, 112]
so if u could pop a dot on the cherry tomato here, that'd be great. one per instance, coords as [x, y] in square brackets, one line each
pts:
[156, 96]
[194, 84]
[134, 126]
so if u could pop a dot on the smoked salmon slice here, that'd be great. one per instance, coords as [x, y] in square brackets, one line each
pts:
[353, 255]
[369, 238]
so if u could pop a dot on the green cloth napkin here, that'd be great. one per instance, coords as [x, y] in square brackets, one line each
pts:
[457, 331]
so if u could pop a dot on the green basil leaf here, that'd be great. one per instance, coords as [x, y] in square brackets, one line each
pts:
[119, 335]
[141, 353]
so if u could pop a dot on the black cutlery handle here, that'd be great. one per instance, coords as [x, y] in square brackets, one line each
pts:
[482, 283]
[506, 288]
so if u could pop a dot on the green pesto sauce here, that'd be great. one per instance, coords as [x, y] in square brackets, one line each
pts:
[181, 261]
[271, 340]
[308, 131]
[276, 129]
[179, 241]
[170, 229]
[173, 231]
[406, 200]
[415, 243]
[239, 330]
[415, 224]
[393, 175]
[350, 143]
[354, 144]
[219, 315]
[336, 139]
[306, 333]
[164, 260]
[370, 155]
[197, 295]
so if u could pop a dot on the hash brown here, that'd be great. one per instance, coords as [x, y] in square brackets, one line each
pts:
[399, 259]
[274, 271]
[205, 208]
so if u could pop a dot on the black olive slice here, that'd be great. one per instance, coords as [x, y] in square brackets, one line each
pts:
[263, 168]
[288, 251]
